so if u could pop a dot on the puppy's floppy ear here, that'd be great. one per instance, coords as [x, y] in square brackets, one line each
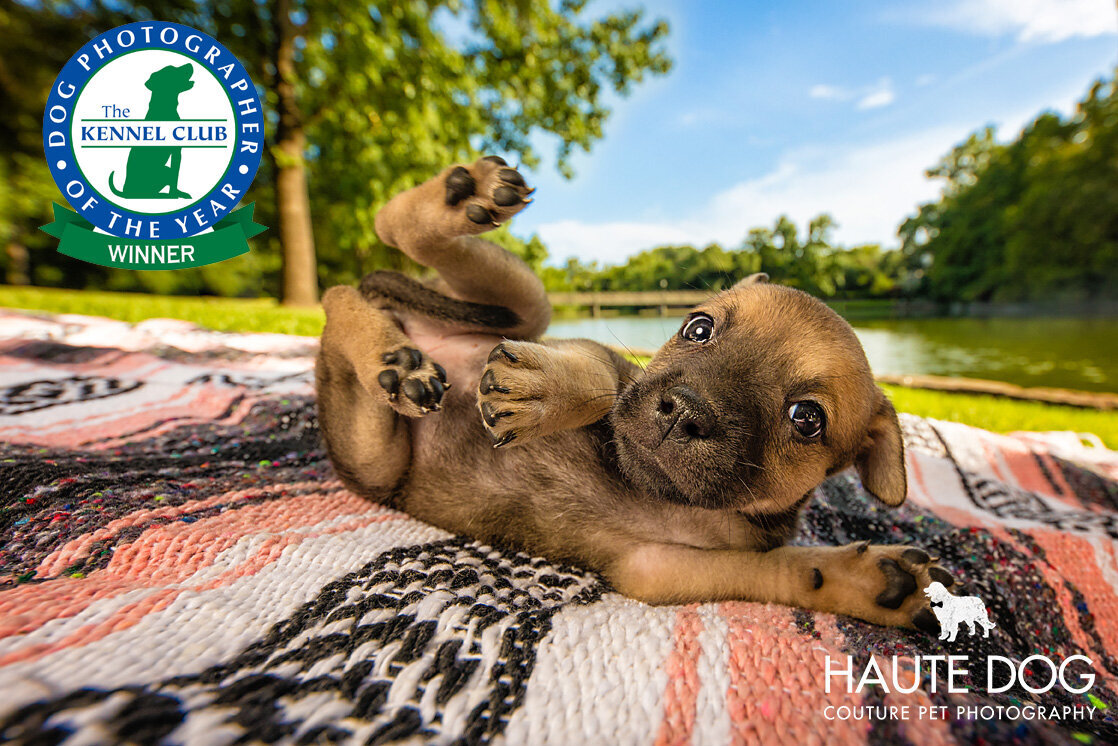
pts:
[881, 462]
[752, 279]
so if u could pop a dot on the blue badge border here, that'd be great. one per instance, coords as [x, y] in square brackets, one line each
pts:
[74, 74]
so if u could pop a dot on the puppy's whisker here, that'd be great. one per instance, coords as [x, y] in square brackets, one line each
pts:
[608, 362]
[635, 357]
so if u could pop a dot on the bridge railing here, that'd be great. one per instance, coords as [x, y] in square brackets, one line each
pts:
[662, 299]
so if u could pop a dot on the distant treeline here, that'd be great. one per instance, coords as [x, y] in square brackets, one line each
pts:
[1032, 220]
[809, 262]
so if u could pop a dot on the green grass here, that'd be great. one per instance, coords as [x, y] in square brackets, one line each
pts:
[223, 314]
[265, 315]
[1005, 415]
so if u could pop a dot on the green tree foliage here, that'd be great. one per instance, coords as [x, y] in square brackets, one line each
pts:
[1032, 220]
[364, 99]
[811, 262]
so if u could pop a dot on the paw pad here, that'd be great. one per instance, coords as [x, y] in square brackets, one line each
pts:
[417, 377]
[479, 214]
[484, 194]
[899, 585]
[459, 186]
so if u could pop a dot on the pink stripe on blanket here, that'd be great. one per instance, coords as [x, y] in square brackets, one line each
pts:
[1074, 558]
[776, 681]
[129, 365]
[132, 614]
[79, 548]
[171, 553]
[195, 404]
[1053, 577]
[682, 691]
[1028, 474]
[187, 417]
[121, 619]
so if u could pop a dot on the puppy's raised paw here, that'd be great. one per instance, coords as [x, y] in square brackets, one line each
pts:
[485, 194]
[414, 383]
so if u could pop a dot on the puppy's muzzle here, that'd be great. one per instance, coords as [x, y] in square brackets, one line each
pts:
[684, 416]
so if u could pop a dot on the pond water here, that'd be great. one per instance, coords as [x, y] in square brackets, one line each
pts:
[1073, 353]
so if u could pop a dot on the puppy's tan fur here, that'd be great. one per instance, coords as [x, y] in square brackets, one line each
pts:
[679, 483]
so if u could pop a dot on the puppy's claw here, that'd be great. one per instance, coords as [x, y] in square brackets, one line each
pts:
[500, 350]
[489, 383]
[508, 438]
[491, 415]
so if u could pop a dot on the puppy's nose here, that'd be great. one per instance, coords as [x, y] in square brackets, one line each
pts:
[684, 416]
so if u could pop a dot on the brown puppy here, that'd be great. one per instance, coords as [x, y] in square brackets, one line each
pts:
[679, 483]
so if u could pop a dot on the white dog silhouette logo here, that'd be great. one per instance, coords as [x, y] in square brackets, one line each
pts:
[955, 610]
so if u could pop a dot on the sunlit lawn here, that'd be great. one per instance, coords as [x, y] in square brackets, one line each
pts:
[264, 315]
[223, 314]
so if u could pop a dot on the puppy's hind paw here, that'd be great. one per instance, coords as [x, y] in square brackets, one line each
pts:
[414, 383]
[485, 194]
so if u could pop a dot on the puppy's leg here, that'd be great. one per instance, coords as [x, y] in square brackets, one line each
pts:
[368, 376]
[880, 584]
[531, 389]
[436, 223]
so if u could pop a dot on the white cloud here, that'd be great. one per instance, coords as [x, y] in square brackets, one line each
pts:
[829, 92]
[1041, 21]
[881, 95]
[873, 96]
[868, 189]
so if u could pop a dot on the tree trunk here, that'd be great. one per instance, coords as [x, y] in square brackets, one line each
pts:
[19, 264]
[300, 275]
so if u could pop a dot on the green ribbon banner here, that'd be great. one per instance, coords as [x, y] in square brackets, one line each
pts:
[228, 239]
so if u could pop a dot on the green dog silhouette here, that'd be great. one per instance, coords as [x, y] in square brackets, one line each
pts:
[151, 170]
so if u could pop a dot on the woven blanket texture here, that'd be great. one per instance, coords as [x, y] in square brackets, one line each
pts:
[179, 564]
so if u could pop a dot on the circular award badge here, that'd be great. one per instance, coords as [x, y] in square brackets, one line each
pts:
[153, 132]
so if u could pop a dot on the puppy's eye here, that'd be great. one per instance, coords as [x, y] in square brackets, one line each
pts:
[700, 328]
[807, 418]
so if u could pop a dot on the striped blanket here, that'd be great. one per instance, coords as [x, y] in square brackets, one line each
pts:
[179, 564]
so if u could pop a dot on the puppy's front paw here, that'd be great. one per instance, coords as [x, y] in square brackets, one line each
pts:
[511, 393]
[884, 584]
[414, 382]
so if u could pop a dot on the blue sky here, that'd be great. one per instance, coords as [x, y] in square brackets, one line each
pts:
[803, 107]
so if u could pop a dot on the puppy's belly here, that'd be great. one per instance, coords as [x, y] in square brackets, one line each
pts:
[462, 355]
